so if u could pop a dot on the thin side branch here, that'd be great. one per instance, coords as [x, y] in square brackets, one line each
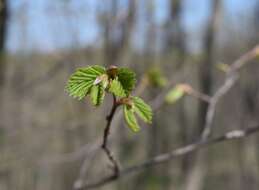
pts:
[162, 158]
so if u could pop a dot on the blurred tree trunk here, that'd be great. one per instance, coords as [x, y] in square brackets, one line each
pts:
[206, 67]
[176, 47]
[3, 37]
[195, 178]
[247, 149]
[108, 22]
[174, 28]
[127, 26]
[117, 31]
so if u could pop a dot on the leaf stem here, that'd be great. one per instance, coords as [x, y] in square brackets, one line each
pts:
[109, 119]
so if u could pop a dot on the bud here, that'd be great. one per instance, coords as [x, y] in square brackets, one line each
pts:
[112, 71]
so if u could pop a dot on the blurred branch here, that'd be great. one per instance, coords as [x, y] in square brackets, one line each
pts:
[162, 158]
[231, 79]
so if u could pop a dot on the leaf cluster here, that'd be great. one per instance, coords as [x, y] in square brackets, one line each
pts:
[96, 81]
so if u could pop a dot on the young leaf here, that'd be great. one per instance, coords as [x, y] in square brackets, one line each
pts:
[97, 94]
[127, 79]
[223, 67]
[82, 80]
[156, 77]
[130, 118]
[142, 109]
[175, 94]
[116, 88]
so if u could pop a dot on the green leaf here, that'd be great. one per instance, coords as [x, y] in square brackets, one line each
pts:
[223, 67]
[175, 94]
[82, 80]
[156, 77]
[142, 109]
[127, 79]
[130, 118]
[97, 94]
[116, 88]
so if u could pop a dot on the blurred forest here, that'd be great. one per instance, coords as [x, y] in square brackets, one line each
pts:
[50, 141]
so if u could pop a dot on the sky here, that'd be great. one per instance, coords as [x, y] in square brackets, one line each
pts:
[47, 25]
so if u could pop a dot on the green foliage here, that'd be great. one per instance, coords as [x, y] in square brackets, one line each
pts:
[135, 105]
[130, 118]
[156, 77]
[142, 109]
[97, 94]
[117, 89]
[127, 79]
[82, 80]
[223, 67]
[175, 94]
[96, 80]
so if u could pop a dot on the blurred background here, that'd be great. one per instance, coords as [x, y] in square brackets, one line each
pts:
[49, 141]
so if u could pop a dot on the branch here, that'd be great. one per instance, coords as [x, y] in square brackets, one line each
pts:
[105, 138]
[162, 158]
[231, 79]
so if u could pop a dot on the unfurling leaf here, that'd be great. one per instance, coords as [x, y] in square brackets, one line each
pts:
[223, 67]
[130, 118]
[156, 77]
[135, 105]
[127, 79]
[142, 109]
[80, 83]
[97, 94]
[175, 94]
[116, 88]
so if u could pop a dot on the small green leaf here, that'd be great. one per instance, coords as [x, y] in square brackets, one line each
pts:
[223, 67]
[142, 109]
[97, 94]
[130, 118]
[82, 80]
[175, 94]
[127, 79]
[116, 88]
[156, 77]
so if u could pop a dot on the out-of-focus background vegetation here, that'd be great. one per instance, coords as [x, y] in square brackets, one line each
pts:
[48, 139]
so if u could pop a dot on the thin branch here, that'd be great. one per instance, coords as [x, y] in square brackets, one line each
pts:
[162, 158]
[105, 137]
[231, 79]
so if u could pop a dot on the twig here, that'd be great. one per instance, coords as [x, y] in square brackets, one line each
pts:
[231, 79]
[162, 158]
[105, 138]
